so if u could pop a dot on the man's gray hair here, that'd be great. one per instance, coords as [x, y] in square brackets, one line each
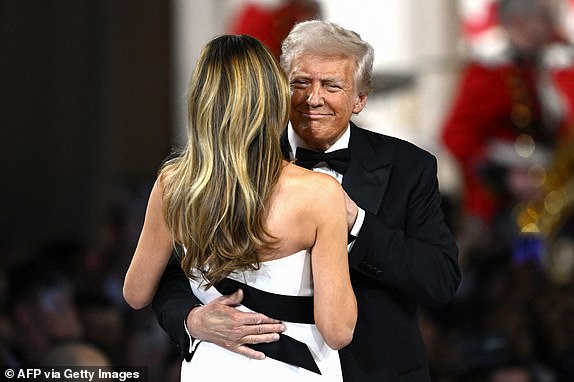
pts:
[327, 38]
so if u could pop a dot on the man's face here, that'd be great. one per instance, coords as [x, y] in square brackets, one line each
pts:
[323, 98]
[529, 32]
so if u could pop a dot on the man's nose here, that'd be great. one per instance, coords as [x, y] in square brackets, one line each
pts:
[315, 96]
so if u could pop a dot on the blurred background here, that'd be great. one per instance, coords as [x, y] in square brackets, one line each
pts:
[92, 100]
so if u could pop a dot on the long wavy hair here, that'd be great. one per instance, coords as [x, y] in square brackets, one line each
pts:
[216, 191]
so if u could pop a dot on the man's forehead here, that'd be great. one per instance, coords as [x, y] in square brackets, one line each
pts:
[330, 65]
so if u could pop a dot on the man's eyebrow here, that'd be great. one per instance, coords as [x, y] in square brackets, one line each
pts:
[300, 74]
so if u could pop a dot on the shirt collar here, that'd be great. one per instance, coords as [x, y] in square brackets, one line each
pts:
[296, 141]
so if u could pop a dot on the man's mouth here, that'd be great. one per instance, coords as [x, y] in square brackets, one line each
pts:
[315, 115]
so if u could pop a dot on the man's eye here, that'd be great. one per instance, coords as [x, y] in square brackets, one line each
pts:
[299, 84]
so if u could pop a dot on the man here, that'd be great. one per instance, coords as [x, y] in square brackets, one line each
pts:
[402, 254]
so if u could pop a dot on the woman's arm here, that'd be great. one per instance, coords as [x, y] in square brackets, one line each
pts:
[335, 303]
[151, 255]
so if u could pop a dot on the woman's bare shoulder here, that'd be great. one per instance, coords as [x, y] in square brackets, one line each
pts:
[313, 185]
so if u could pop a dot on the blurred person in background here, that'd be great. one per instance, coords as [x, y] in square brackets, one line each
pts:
[75, 354]
[78, 355]
[512, 108]
[104, 325]
[42, 311]
[511, 374]
[271, 24]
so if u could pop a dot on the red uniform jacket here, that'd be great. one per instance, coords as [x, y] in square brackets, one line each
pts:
[481, 113]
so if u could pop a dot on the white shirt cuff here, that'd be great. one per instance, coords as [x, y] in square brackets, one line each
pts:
[356, 227]
[192, 341]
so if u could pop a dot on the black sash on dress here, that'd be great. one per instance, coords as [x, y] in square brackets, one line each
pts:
[281, 307]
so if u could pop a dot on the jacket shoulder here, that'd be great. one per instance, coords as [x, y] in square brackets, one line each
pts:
[398, 149]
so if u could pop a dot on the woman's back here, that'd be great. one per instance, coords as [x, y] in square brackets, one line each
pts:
[288, 279]
[291, 217]
[305, 209]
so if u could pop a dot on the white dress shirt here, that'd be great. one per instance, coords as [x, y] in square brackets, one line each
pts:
[342, 143]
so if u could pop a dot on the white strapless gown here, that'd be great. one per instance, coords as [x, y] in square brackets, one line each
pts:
[290, 275]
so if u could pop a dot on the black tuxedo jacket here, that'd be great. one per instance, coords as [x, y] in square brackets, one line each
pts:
[403, 257]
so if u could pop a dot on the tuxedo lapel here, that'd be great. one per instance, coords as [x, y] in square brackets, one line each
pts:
[367, 177]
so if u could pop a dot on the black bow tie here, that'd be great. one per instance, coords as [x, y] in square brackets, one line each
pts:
[338, 160]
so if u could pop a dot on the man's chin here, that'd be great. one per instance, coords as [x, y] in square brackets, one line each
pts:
[315, 125]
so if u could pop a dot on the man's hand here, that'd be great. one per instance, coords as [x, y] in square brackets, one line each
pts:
[220, 323]
[352, 211]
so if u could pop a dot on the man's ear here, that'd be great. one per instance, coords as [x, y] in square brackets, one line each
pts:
[360, 103]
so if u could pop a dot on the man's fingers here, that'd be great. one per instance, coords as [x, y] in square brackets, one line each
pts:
[258, 319]
[248, 352]
[352, 211]
[231, 300]
[247, 318]
[244, 318]
[261, 329]
[260, 338]
[257, 339]
[221, 323]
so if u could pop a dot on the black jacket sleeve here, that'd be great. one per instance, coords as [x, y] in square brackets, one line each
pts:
[172, 303]
[417, 254]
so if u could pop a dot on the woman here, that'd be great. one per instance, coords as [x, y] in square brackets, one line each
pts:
[249, 219]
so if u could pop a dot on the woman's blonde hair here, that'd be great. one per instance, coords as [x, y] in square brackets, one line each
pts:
[216, 191]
